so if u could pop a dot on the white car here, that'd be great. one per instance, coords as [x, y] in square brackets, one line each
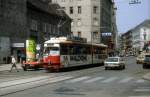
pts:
[114, 62]
[140, 59]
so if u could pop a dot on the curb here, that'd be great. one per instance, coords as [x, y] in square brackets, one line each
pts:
[7, 67]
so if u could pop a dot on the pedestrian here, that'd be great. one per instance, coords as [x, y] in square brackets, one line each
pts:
[13, 61]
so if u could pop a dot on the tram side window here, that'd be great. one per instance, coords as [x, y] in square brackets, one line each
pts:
[88, 49]
[83, 50]
[95, 51]
[70, 50]
[74, 49]
[78, 49]
[64, 50]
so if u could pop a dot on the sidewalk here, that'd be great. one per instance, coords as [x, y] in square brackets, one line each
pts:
[4, 67]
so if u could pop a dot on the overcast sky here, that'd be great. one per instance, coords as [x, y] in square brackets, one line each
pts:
[130, 15]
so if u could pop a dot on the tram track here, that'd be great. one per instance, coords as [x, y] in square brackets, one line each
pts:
[5, 90]
[62, 76]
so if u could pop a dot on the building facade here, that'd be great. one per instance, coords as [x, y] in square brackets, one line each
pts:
[141, 36]
[127, 42]
[90, 18]
[137, 39]
[29, 19]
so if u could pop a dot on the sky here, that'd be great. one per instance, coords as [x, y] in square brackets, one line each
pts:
[129, 16]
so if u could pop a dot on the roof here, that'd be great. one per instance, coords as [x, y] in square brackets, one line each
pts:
[145, 23]
[48, 8]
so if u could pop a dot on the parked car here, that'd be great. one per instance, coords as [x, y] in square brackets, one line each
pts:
[114, 62]
[140, 59]
[146, 62]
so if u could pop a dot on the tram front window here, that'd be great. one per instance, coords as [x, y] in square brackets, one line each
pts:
[51, 51]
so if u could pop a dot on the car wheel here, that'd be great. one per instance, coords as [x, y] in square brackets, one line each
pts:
[123, 67]
[106, 68]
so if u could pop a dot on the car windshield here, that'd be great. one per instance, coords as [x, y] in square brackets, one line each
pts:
[112, 60]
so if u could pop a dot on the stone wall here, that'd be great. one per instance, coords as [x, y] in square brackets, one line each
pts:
[4, 49]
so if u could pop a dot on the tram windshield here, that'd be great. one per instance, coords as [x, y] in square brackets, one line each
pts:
[51, 51]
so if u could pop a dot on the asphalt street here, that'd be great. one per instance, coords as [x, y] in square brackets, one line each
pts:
[91, 82]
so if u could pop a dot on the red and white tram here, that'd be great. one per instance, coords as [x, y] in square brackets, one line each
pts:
[61, 53]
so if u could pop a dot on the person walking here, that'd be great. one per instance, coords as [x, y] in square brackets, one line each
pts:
[13, 61]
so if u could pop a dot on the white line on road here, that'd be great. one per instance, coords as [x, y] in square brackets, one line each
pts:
[142, 90]
[110, 80]
[139, 96]
[140, 81]
[17, 88]
[21, 81]
[94, 79]
[126, 80]
[77, 79]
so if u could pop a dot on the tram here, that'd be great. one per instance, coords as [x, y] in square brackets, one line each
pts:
[62, 53]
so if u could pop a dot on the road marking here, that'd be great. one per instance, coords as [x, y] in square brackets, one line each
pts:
[77, 79]
[126, 80]
[142, 90]
[94, 79]
[21, 81]
[61, 78]
[139, 96]
[110, 80]
[33, 84]
[140, 81]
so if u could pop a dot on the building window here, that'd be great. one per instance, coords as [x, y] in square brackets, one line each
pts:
[95, 9]
[71, 10]
[55, 1]
[0, 44]
[71, 33]
[95, 22]
[62, 0]
[79, 34]
[34, 25]
[72, 23]
[49, 28]
[1, 3]
[44, 27]
[64, 8]
[95, 35]
[79, 23]
[79, 10]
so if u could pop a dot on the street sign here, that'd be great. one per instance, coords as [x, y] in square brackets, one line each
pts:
[106, 34]
[135, 2]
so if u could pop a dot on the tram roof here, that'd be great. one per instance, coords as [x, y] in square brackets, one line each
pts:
[65, 41]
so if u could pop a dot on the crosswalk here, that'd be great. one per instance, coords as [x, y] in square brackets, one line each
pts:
[104, 80]
[23, 84]
[141, 92]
